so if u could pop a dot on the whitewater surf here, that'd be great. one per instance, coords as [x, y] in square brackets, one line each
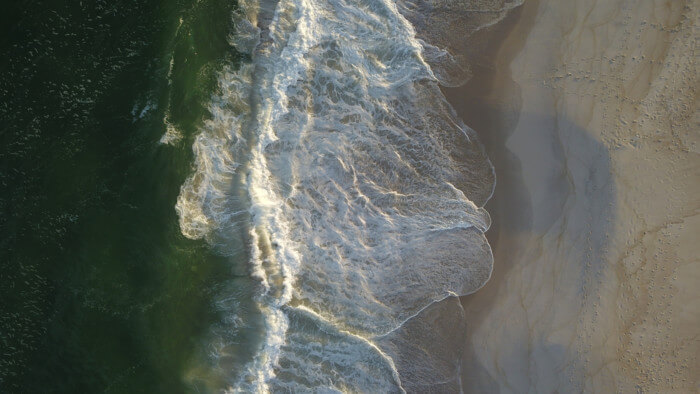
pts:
[359, 190]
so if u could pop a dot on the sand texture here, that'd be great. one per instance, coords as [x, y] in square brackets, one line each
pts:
[596, 285]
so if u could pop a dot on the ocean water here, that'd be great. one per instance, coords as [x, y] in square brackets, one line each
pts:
[263, 196]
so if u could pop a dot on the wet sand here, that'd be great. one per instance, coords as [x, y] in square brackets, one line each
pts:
[588, 112]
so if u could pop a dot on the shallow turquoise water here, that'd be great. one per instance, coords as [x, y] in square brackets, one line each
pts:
[100, 291]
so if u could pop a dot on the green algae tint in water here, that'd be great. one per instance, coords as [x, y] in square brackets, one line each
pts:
[99, 290]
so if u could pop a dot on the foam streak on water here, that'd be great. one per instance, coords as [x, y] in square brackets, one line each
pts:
[364, 189]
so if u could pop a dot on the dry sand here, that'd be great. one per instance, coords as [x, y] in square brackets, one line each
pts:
[589, 114]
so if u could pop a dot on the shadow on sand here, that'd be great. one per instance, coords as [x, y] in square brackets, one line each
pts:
[572, 193]
[567, 182]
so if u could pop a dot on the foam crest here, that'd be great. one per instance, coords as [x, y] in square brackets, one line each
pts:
[208, 199]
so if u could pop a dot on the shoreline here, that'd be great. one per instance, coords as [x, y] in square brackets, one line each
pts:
[490, 104]
[594, 268]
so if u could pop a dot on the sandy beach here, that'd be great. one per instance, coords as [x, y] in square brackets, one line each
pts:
[589, 114]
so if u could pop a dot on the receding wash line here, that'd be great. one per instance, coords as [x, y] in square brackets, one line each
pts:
[329, 326]
[399, 326]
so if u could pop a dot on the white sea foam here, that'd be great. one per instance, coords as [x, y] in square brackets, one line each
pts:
[172, 135]
[364, 188]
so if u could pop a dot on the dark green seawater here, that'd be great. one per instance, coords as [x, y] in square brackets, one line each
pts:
[99, 291]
